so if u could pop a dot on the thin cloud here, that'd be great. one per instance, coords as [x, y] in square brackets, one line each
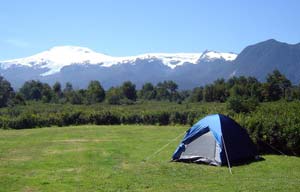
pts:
[17, 43]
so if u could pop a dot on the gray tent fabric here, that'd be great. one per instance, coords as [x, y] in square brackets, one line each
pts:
[203, 149]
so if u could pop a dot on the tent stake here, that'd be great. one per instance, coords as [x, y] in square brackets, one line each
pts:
[228, 163]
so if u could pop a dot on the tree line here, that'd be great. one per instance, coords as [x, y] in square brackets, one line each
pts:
[233, 90]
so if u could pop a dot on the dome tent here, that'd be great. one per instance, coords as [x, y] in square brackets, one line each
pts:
[216, 140]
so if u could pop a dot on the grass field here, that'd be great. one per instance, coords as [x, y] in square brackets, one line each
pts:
[110, 158]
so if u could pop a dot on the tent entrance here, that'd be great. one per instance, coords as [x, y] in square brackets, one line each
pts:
[203, 149]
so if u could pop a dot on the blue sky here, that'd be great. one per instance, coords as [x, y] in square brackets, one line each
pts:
[131, 27]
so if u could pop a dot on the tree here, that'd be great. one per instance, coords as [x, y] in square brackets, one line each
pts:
[68, 87]
[171, 86]
[57, 89]
[129, 91]
[197, 94]
[95, 92]
[74, 97]
[184, 94]
[276, 86]
[167, 90]
[147, 92]
[162, 92]
[296, 92]
[255, 88]
[68, 92]
[220, 92]
[36, 90]
[6, 92]
[19, 99]
[30, 90]
[35, 94]
[47, 93]
[114, 96]
[208, 93]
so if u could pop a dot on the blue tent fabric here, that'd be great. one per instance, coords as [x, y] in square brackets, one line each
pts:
[237, 141]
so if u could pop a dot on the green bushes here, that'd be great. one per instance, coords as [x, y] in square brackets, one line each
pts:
[105, 118]
[37, 114]
[275, 127]
[242, 105]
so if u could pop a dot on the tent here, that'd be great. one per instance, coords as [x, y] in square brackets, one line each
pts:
[216, 140]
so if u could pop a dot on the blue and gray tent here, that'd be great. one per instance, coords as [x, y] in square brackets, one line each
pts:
[216, 140]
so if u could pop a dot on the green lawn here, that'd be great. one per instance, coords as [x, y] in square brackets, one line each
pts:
[110, 158]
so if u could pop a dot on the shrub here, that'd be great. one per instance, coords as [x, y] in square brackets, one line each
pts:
[242, 105]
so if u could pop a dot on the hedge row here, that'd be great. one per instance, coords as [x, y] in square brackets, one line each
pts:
[25, 121]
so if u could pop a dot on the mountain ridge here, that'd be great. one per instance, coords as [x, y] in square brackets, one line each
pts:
[60, 56]
[80, 65]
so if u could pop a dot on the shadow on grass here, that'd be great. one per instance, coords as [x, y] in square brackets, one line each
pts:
[240, 163]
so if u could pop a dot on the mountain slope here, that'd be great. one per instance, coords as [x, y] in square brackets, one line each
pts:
[262, 58]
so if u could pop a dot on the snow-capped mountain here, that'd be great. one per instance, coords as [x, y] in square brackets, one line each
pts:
[79, 65]
[58, 57]
[213, 55]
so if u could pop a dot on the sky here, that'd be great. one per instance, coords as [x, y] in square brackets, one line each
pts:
[132, 27]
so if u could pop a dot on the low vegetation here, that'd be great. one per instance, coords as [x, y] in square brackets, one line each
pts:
[112, 158]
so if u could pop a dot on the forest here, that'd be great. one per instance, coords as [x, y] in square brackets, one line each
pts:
[237, 90]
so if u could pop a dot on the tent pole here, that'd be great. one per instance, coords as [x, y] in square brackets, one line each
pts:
[228, 163]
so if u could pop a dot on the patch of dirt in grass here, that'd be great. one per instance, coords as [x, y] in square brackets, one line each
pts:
[82, 140]
[125, 165]
[66, 151]
[77, 170]
[21, 158]
[29, 189]
[105, 153]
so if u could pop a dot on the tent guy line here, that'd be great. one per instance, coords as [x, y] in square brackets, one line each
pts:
[163, 147]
